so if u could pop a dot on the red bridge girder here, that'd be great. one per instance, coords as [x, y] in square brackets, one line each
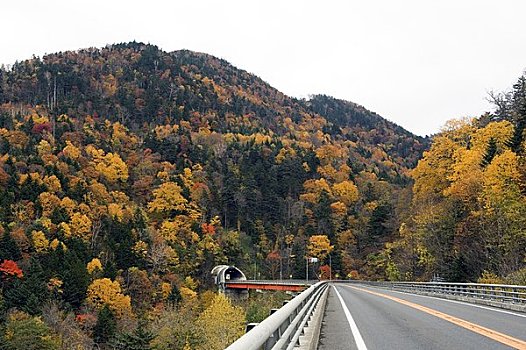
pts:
[267, 286]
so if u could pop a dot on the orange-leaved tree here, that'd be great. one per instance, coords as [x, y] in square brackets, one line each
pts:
[10, 268]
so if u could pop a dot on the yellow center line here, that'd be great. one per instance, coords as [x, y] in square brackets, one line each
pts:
[490, 333]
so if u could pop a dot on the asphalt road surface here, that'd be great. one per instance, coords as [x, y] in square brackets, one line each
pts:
[361, 317]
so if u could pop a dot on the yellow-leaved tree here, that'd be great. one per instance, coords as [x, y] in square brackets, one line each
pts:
[220, 324]
[80, 226]
[109, 166]
[94, 265]
[346, 192]
[313, 189]
[71, 151]
[112, 168]
[167, 199]
[48, 202]
[40, 242]
[319, 246]
[104, 291]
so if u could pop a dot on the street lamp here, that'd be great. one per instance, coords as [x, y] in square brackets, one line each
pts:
[291, 256]
[312, 260]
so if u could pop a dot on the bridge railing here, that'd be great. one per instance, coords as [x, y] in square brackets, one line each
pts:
[282, 329]
[494, 294]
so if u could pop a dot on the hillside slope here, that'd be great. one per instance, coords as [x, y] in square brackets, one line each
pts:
[145, 168]
[136, 83]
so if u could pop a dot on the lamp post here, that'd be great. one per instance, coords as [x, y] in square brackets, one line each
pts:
[291, 256]
[312, 260]
[280, 266]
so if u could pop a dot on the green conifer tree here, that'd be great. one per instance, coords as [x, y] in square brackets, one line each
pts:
[105, 327]
[491, 152]
[139, 339]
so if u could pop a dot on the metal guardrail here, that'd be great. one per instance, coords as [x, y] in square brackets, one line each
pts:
[497, 292]
[502, 293]
[282, 329]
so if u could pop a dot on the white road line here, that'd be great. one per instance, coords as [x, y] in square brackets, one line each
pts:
[360, 344]
[455, 302]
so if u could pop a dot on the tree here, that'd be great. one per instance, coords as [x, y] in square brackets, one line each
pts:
[378, 220]
[40, 242]
[491, 151]
[30, 292]
[504, 213]
[68, 327]
[167, 200]
[519, 111]
[73, 273]
[346, 192]
[10, 268]
[515, 142]
[112, 168]
[94, 265]
[175, 328]
[220, 324]
[24, 332]
[71, 151]
[105, 292]
[81, 226]
[105, 327]
[140, 289]
[8, 247]
[319, 247]
[139, 339]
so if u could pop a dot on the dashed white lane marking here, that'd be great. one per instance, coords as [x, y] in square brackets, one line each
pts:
[360, 344]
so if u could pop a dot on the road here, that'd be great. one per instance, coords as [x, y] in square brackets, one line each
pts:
[381, 319]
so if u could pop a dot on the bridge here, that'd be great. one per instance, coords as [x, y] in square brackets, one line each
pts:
[405, 315]
[233, 282]
[277, 285]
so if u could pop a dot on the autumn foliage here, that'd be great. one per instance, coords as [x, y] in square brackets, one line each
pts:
[9, 268]
[127, 173]
[468, 211]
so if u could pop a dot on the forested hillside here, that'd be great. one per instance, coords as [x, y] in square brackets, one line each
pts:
[468, 217]
[127, 173]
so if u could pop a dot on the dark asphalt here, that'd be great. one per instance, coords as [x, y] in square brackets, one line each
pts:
[387, 324]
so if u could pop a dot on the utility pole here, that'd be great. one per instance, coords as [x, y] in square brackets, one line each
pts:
[280, 266]
[330, 267]
[307, 268]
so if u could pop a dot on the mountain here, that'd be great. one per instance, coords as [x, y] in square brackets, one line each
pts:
[136, 83]
[137, 170]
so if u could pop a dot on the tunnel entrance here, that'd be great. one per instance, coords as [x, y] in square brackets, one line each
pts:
[224, 274]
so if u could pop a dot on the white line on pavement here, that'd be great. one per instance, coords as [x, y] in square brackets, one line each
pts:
[360, 344]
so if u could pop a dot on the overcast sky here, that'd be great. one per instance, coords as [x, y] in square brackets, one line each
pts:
[417, 63]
